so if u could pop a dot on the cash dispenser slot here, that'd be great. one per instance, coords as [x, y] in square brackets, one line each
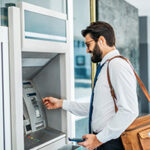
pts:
[31, 94]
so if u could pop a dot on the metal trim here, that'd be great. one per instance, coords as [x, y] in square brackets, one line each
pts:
[45, 36]
[92, 19]
[2, 96]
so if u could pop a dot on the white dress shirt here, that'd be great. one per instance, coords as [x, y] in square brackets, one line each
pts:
[108, 124]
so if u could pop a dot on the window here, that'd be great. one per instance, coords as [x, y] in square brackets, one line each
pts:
[80, 60]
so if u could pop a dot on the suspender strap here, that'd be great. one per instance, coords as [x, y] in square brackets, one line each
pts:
[137, 77]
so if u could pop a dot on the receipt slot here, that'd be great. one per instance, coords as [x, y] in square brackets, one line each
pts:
[41, 65]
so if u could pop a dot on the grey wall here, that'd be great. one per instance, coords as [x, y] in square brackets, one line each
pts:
[144, 59]
[124, 19]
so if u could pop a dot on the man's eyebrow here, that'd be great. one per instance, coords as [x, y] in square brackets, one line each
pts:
[87, 42]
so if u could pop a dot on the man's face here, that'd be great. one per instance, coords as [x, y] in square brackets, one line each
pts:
[93, 48]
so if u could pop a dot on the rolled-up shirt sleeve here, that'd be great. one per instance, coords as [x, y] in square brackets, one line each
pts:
[124, 83]
[76, 108]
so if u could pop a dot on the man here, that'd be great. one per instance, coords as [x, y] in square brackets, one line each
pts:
[106, 124]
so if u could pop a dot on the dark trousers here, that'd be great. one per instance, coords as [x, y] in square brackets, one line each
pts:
[115, 144]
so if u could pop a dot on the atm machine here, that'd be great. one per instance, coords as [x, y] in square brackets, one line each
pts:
[42, 76]
[41, 64]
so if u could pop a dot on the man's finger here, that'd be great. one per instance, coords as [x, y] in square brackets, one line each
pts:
[45, 98]
[47, 105]
[85, 136]
[83, 143]
[46, 102]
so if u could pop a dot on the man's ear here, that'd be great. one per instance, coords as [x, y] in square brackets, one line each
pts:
[101, 39]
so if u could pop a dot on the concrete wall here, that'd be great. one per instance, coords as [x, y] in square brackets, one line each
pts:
[144, 61]
[124, 19]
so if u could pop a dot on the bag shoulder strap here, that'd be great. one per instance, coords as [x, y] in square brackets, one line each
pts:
[137, 77]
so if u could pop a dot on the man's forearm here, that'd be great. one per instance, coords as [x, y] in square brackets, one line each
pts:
[79, 109]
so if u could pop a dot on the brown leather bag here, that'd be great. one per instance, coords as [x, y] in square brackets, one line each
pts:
[137, 135]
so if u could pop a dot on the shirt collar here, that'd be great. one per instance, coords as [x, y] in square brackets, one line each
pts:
[110, 55]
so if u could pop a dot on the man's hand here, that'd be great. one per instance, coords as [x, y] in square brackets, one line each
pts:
[52, 103]
[91, 142]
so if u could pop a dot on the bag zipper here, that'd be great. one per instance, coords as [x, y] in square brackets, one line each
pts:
[137, 127]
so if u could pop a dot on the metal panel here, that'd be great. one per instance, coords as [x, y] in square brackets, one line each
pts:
[47, 82]
[4, 91]
[43, 139]
[55, 145]
[16, 78]
[39, 44]
[1, 104]
[69, 65]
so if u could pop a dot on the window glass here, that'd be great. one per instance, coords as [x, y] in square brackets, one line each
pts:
[82, 63]
[44, 27]
[56, 5]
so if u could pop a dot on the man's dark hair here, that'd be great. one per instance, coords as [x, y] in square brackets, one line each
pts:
[100, 28]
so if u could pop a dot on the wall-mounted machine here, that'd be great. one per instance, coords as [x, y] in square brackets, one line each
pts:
[42, 76]
[41, 55]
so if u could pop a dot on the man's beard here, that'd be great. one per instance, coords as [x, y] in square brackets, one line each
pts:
[97, 54]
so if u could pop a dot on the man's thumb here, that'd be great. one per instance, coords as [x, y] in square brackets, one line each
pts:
[84, 136]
